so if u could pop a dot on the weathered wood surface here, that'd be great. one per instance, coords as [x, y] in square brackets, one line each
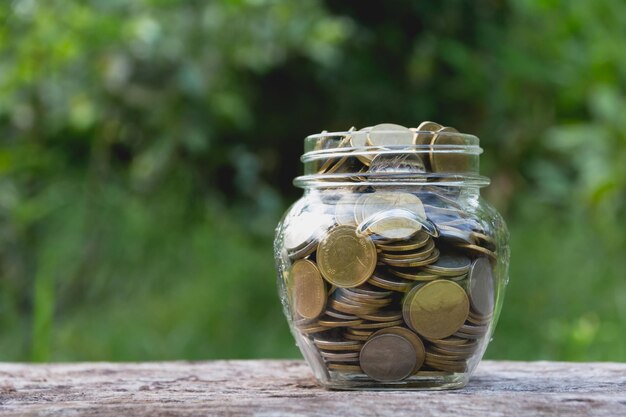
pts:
[285, 388]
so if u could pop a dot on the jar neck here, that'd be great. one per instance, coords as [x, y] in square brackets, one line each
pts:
[466, 194]
[344, 159]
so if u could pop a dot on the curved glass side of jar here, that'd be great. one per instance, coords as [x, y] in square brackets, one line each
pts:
[391, 268]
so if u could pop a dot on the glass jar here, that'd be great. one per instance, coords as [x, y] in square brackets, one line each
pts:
[391, 267]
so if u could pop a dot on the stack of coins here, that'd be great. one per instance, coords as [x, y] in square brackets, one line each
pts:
[392, 282]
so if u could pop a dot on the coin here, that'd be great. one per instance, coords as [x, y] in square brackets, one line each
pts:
[449, 265]
[393, 225]
[384, 316]
[351, 308]
[356, 337]
[377, 324]
[480, 249]
[388, 357]
[389, 284]
[414, 275]
[481, 287]
[414, 243]
[340, 356]
[417, 343]
[333, 322]
[304, 251]
[340, 367]
[346, 259]
[425, 132]
[338, 315]
[307, 288]
[444, 160]
[436, 309]
[412, 263]
[382, 201]
[336, 345]
[358, 140]
[389, 134]
[403, 163]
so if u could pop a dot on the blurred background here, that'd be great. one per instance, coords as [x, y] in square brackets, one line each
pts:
[148, 149]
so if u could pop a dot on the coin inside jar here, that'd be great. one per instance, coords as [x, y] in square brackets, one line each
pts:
[388, 357]
[345, 258]
[417, 343]
[396, 224]
[390, 134]
[481, 287]
[448, 161]
[308, 290]
[436, 309]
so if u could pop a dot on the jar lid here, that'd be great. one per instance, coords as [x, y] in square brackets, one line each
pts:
[390, 153]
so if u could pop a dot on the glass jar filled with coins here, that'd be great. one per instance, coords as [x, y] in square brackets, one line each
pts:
[391, 268]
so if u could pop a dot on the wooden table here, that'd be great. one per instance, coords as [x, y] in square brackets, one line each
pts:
[286, 388]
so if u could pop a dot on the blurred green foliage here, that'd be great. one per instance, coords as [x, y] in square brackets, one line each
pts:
[148, 149]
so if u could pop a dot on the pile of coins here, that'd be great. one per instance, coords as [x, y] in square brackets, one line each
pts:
[378, 140]
[390, 282]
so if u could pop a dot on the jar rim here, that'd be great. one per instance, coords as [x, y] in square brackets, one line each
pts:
[340, 145]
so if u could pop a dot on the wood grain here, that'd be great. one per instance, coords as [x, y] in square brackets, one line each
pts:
[286, 388]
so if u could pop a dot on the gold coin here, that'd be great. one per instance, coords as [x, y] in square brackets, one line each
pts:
[389, 134]
[425, 132]
[312, 329]
[340, 367]
[340, 356]
[350, 308]
[355, 337]
[346, 259]
[337, 345]
[437, 309]
[332, 322]
[412, 263]
[447, 365]
[385, 316]
[414, 275]
[360, 332]
[307, 288]
[449, 341]
[419, 254]
[421, 239]
[444, 160]
[452, 354]
[377, 324]
[358, 140]
[393, 226]
[411, 337]
[445, 356]
[480, 249]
